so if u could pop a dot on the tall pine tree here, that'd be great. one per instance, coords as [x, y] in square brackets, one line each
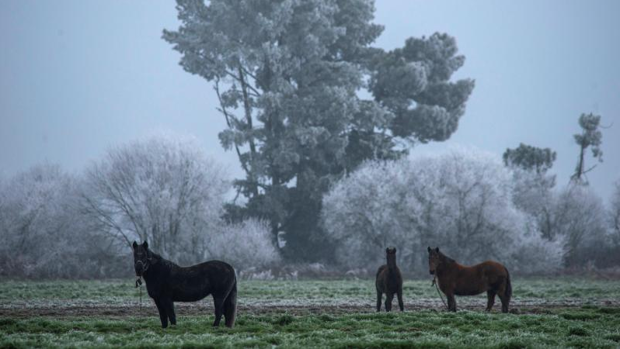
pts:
[590, 137]
[288, 75]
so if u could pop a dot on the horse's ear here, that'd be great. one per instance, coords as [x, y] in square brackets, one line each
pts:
[429, 249]
[145, 244]
[393, 249]
[135, 245]
[437, 249]
[387, 250]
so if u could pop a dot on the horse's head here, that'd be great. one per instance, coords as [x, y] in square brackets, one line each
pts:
[390, 253]
[142, 258]
[434, 259]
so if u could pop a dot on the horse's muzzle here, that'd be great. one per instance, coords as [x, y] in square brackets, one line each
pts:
[432, 272]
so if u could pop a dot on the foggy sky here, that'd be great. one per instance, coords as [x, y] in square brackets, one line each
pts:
[79, 76]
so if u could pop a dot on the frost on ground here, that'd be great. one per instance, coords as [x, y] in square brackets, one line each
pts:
[117, 298]
[86, 308]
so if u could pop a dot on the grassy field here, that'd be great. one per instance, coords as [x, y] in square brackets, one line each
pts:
[566, 312]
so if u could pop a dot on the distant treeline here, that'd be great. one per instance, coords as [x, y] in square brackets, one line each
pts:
[162, 189]
[165, 190]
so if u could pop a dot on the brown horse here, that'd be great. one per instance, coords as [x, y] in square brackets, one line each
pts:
[455, 279]
[389, 281]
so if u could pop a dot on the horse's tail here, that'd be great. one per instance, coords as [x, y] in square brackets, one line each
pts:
[508, 285]
[230, 306]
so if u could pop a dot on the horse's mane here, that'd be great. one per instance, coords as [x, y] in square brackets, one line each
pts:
[162, 261]
[446, 258]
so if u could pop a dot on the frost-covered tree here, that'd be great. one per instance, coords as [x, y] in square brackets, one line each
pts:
[162, 189]
[364, 215]
[42, 231]
[533, 194]
[530, 158]
[532, 185]
[287, 75]
[32, 217]
[413, 83]
[246, 244]
[461, 201]
[579, 217]
[590, 137]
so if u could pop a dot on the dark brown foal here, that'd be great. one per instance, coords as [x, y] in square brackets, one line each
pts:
[389, 281]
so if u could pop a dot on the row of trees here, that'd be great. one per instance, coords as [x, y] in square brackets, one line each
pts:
[162, 189]
[576, 213]
[461, 201]
[477, 208]
[166, 191]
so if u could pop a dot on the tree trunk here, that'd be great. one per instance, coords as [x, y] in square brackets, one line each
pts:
[248, 117]
[579, 169]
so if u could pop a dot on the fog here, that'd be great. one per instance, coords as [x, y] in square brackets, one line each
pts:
[93, 92]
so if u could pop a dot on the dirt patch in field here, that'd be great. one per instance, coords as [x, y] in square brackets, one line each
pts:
[25, 310]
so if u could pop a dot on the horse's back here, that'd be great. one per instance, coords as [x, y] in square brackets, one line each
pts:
[198, 281]
[489, 272]
[492, 268]
[215, 267]
[480, 278]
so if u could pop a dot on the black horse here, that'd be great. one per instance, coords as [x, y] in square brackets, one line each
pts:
[167, 282]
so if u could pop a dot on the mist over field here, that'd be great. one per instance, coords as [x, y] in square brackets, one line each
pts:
[299, 142]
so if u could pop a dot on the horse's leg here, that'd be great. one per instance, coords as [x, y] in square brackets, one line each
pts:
[218, 303]
[505, 301]
[399, 294]
[490, 299]
[168, 305]
[388, 301]
[379, 296]
[451, 302]
[503, 297]
[230, 306]
[162, 313]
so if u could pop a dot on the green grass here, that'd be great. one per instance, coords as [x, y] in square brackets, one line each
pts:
[63, 289]
[586, 320]
[424, 329]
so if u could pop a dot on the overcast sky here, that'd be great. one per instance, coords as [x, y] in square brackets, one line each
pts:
[79, 76]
